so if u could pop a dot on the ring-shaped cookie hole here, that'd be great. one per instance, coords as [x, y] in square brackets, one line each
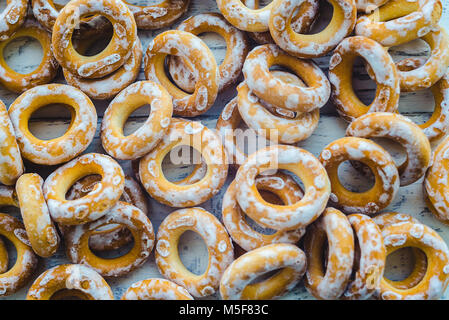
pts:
[302, 21]
[80, 133]
[431, 70]
[156, 289]
[208, 27]
[12, 16]
[157, 14]
[385, 74]
[70, 279]
[206, 142]
[47, 11]
[96, 203]
[278, 92]
[19, 271]
[112, 236]
[214, 235]
[311, 45]
[64, 111]
[145, 138]
[434, 282]
[184, 165]
[77, 240]
[435, 126]
[401, 130]
[112, 57]
[193, 252]
[40, 229]
[264, 273]
[20, 80]
[276, 189]
[355, 176]
[328, 278]
[371, 154]
[203, 62]
[400, 21]
[298, 162]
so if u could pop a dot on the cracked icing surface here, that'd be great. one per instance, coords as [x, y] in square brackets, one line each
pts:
[12, 17]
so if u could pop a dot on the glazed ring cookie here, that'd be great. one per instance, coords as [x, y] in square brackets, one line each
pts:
[12, 17]
[434, 68]
[385, 75]
[437, 126]
[145, 138]
[435, 183]
[237, 48]
[110, 85]
[188, 46]
[44, 73]
[8, 196]
[280, 185]
[4, 258]
[66, 147]
[283, 217]
[236, 281]
[159, 15]
[110, 237]
[77, 241]
[16, 277]
[206, 142]
[371, 265]
[40, 229]
[400, 21]
[377, 159]
[435, 280]
[420, 259]
[110, 59]
[11, 165]
[311, 45]
[401, 130]
[96, 203]
[286, 130]
[331, 283]
[301, 22]
[227, 123]
[244, 18]
[81, 279]
[156, 289]
[47, 11]
[276, 91]
[213, 233]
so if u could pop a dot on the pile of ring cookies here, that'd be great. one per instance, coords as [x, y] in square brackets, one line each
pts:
[333, 240]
